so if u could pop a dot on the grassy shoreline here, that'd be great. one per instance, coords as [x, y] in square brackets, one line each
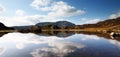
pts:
[82, 30]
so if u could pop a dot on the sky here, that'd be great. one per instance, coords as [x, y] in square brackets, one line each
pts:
[31, 12]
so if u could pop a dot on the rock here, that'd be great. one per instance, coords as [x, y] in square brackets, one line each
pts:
[114, 34]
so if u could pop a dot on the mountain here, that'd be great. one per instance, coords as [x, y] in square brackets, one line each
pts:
[109, 22]
[3, 27]
[45, 24]
[26, 29]
[63, 24]
[55, 25]
[106, 24]
[22, 27]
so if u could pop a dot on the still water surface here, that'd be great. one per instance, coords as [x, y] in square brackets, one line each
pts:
[77, 45]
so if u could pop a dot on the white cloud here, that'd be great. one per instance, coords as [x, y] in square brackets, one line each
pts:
[89, 21]
[37, 4]
[21, 19]
[26, 20]
[2, 19]
[62, 9]
[112, 16]
[56, 9]
[20, 12]
[2, 8]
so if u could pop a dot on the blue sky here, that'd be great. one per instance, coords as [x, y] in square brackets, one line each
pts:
[30, 12]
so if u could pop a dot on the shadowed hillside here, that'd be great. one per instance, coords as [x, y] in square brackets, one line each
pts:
[108, 25]
[103, 24]
[3, 27]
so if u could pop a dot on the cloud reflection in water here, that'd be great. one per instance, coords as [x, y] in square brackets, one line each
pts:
[2, 50]
[55, 46]
[58, 50]
[34, 45]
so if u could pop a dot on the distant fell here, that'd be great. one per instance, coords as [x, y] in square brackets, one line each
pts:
[109, 24]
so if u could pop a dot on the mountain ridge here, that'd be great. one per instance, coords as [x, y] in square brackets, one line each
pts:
[109, 24]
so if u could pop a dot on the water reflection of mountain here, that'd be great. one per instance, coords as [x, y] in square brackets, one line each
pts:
[70, 33]
[52, 33]
[104, 35]
[1, 34]
[63, 34]
[57, 33]
[79, 45]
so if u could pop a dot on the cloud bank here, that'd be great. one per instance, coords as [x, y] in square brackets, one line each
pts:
[112, 16]
[51, 45]
[2, 8]
[89, 21]
[55, 11]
